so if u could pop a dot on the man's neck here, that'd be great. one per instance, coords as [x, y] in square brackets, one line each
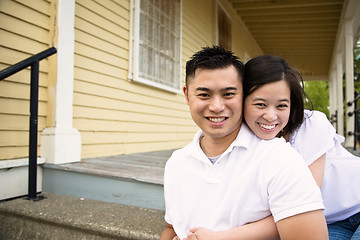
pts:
[213, 147]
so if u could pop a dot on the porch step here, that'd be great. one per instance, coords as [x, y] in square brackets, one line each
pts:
[133, 179]
[59, 217]
[355, 152]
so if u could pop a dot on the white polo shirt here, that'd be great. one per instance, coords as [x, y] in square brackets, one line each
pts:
[251, 180]
[341, 185]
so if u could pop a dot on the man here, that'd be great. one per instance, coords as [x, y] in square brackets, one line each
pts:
[227, 177]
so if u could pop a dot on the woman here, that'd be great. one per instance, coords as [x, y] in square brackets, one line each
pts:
[274, 107]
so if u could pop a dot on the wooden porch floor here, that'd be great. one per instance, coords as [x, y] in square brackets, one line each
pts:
[144, 167]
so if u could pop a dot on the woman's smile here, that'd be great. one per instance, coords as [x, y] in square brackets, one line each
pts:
[267, 109]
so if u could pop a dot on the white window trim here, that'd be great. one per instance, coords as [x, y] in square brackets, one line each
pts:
[220, 5]
[134, 51]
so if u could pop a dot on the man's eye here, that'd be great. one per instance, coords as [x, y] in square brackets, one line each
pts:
[203, 95]
[229, 94]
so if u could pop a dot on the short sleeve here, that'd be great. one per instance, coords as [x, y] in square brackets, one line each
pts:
[315, 136]
[291, 187]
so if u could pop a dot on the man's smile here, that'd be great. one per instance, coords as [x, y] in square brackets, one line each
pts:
[216, 119]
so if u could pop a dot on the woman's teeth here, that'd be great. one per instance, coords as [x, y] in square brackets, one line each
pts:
[268, 127]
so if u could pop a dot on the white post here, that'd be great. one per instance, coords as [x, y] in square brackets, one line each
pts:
[62, 143]
[339, 87]
[332, 93]
[349, 76]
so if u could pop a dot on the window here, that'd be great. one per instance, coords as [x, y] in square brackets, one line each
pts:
[155, 43]
[224, 28]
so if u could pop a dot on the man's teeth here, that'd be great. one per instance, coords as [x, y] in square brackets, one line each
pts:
[268, 127]
[217, 119]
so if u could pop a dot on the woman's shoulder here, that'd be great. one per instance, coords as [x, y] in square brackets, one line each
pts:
[316, 121]
[314, 137]
[314, 115]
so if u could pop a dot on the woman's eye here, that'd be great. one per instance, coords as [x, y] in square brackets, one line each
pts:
[260, 104]
[282, 106]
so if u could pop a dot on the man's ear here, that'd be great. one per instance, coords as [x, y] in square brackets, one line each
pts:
[185, 91]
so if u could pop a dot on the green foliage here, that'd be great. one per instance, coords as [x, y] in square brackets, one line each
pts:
[318, 93]
[357, 66]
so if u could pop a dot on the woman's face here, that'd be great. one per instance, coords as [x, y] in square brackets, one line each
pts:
[267, 109]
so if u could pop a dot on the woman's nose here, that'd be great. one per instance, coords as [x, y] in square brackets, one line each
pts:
[270, 115]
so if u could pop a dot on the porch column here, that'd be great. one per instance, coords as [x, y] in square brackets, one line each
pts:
[332, 93]
[349, 77]
[339, 87]
[60, 142]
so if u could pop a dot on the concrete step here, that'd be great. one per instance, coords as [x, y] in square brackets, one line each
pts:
[133, 179]
[59, 217]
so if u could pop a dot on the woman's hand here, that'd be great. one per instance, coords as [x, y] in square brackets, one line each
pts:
[200, 233]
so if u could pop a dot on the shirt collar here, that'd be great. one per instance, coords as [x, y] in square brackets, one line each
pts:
[243, 139]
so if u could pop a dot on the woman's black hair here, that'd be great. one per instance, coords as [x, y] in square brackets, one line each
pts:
[267, 69]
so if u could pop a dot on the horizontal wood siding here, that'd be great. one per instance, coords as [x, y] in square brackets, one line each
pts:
[24, 31]
[114, 115]
[243, 44]
[197, 27]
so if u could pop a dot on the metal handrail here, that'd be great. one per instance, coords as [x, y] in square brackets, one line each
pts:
[356, 112]
[32, 62]
[333, 120]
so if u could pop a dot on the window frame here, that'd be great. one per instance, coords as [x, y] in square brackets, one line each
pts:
[219, 7]
[134, 63]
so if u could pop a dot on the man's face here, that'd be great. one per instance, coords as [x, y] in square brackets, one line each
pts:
[215, 101]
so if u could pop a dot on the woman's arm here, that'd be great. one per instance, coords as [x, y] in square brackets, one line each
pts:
[309, 225]
[317, 169]
[262, 229]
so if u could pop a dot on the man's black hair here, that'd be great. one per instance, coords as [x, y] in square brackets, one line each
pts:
[214, 57]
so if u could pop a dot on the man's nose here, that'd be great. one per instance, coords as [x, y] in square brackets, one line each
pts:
[216, 104]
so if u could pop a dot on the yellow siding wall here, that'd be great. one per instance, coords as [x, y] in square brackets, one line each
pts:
[114, 115]
[24, 31]
[197, 26]
[243, 44]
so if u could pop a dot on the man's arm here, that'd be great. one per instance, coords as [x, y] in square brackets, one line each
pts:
[308, 225]
[168, 233]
